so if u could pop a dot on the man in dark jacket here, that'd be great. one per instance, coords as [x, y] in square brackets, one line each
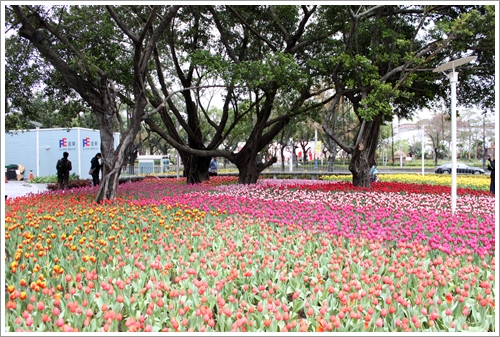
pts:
[491, 167]
[95, 165]
[63, 167]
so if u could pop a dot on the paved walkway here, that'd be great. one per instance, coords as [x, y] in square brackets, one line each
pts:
[17, 188]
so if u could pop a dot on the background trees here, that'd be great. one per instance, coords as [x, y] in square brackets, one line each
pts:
[97, 54]
[438, 130]
[378, 68]
[352, 68]
[257, 53]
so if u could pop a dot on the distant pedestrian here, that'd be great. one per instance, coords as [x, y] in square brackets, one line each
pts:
[95, 166]
[491, 167]
[373, 172]
[63, 167]
[213, 168]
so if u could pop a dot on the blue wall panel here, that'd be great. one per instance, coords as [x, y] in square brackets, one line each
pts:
[39, 149]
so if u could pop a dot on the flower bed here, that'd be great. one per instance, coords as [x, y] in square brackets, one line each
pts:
[275, 256]
[466, 181]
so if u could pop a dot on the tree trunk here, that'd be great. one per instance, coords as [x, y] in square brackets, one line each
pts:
[330, 147]
[248, 172]
[113, 160]
[108, 184]
[282, 153]
[364, 153]
[195, 167]
[331, 163]
[248, 168]
[436, 150]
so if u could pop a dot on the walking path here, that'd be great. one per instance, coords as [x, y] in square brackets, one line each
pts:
[17, 188]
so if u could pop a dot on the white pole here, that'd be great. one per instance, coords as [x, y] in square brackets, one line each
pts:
[37, 151]
[177, 169]
[423, 150]
[400, 145]
[291, 154]
[315, 142]
[400, 155]
[78, 149]
[453, 76]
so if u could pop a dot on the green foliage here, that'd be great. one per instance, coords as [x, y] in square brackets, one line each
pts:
[52, 179]
[267, 51]
[378, 101]
[211, 62]
[278, 68]
[35, 91]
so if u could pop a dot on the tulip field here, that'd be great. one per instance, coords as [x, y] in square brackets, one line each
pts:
[276, 256]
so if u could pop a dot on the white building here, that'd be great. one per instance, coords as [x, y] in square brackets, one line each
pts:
[39, 149]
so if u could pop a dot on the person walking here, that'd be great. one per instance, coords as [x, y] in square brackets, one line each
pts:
[373, 172]
[95, 166]
[63, 167]
[213, 167]
[491, 167]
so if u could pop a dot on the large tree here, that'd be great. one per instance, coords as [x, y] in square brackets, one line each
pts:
[378, 67]
[36, 93]
[259, 54]
[272, 61]
[97, 52]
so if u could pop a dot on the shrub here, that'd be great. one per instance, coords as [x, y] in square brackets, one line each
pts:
[72, 184]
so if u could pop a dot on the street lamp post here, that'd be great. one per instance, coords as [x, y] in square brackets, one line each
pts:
[315, 146]
[484, 141]
[400, 145]
[453, 77]
[423, 164]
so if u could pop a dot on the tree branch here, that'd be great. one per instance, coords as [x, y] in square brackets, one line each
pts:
[171, 94]
[280, 26]
[331, 114]
[122, 26]
[222, 32]
[243, 21]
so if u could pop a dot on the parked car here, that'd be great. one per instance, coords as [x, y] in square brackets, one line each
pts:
[461, 168]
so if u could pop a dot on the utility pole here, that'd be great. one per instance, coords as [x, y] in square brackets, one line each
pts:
[315, 146]
[392, 143]
[453, 77]
[423, 157]
[400, 144]
[484, 140]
